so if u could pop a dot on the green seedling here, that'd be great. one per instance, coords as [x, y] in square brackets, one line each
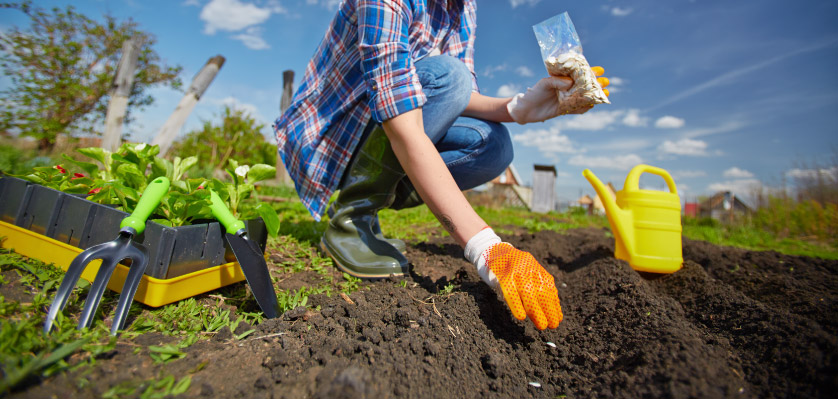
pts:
[165, 353]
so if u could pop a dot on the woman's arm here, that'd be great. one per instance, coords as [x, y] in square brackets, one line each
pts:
[488, 108]
[431, 178]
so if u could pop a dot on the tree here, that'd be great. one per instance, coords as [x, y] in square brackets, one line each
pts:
[62, 67]
[238, 137]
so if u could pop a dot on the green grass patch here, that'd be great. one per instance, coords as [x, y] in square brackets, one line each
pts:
[753, 238]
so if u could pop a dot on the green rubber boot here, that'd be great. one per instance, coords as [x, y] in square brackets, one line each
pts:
[351, 237]
[406, 196]
[376, 228]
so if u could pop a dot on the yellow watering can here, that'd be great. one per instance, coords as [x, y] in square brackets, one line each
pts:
[646, 223]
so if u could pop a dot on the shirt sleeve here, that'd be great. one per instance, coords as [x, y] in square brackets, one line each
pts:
[393, 86]
[461, 42]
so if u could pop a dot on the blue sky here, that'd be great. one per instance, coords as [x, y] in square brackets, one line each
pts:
[724, 95]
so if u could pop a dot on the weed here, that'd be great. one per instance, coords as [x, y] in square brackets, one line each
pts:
[151, 389]
[288, 301]
[351, 284]
[447, 290]
[165, 353]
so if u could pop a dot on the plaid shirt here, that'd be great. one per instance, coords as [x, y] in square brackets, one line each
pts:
[362, 70]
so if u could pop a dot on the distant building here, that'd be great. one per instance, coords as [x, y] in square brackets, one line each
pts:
[543, 188]
[504, 190]
[723, 206]
[509, 176]
[691, 209]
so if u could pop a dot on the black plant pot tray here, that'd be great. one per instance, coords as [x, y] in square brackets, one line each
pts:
[53, 227]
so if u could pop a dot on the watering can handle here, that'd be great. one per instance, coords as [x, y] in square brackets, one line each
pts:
[633, 178]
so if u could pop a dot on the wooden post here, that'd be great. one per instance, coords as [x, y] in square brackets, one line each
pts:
[119, 93]
[202, 80]
[284, 102]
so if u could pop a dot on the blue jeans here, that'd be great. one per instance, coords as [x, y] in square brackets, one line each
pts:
[475, 151]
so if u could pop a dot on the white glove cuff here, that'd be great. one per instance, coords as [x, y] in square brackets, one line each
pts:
[475, 247]
[514, 106]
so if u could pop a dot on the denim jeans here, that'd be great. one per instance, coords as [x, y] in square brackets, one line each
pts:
[475, 151]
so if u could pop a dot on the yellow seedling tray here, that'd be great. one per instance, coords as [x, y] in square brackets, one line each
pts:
[152, 291]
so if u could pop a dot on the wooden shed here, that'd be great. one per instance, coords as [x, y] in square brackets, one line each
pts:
[543, 188]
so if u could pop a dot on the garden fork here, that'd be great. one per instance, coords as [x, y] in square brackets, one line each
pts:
[111, 253]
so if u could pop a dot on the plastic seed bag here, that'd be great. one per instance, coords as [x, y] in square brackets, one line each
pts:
[561, 52]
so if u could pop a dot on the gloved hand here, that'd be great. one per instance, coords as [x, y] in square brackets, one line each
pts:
[527, 288]
[542, 102]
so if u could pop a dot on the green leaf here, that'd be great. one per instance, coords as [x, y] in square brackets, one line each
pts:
[132, 176]
[244, 334]
[99, 154]
[269, 216]
[261, 172]
[182, 385]
[162, 167]
[184, 166]
[244, 190]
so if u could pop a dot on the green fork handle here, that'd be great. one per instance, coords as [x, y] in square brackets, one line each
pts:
[149, 200]
[222, 213]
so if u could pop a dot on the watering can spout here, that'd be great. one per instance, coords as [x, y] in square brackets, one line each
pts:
[608, 201]
[619, 218]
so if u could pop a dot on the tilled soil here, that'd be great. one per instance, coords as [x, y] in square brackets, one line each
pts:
[731, 323]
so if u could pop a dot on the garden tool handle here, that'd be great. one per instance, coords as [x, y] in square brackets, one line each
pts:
[149, 200]
[633, 178]
[222, 213]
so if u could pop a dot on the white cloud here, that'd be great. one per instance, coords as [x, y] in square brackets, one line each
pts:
[686, 174]
[739, 186]
[508, 90]
[737, 71]
[634, 119]
[232, 15]
[620, 162]
[669, 122]
[236, 104]
[516, 3]
[621, 12]
[831, 173]
[490, 70]
[736, 173]
[591, 120]
[707, 131]
[599, 120]
[524, 71]
[546, 141]
[620, 145]
[615, 84]
[330, 4]
[684, 147]
[252, 39]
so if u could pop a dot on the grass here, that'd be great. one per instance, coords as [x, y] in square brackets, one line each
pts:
[753, 238]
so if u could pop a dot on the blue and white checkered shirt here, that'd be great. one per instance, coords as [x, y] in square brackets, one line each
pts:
[362, 70]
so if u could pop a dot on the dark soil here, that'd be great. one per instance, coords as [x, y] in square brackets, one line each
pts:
[731, 323]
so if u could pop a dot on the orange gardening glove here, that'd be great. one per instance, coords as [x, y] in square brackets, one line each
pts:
[603, 81]
[527, 288]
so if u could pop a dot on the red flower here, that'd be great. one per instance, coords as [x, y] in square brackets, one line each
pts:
[200, 187]
[94, 191]
[76, 176]
[60, 169]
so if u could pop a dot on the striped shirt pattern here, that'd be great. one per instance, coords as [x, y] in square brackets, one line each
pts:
[361, 71]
